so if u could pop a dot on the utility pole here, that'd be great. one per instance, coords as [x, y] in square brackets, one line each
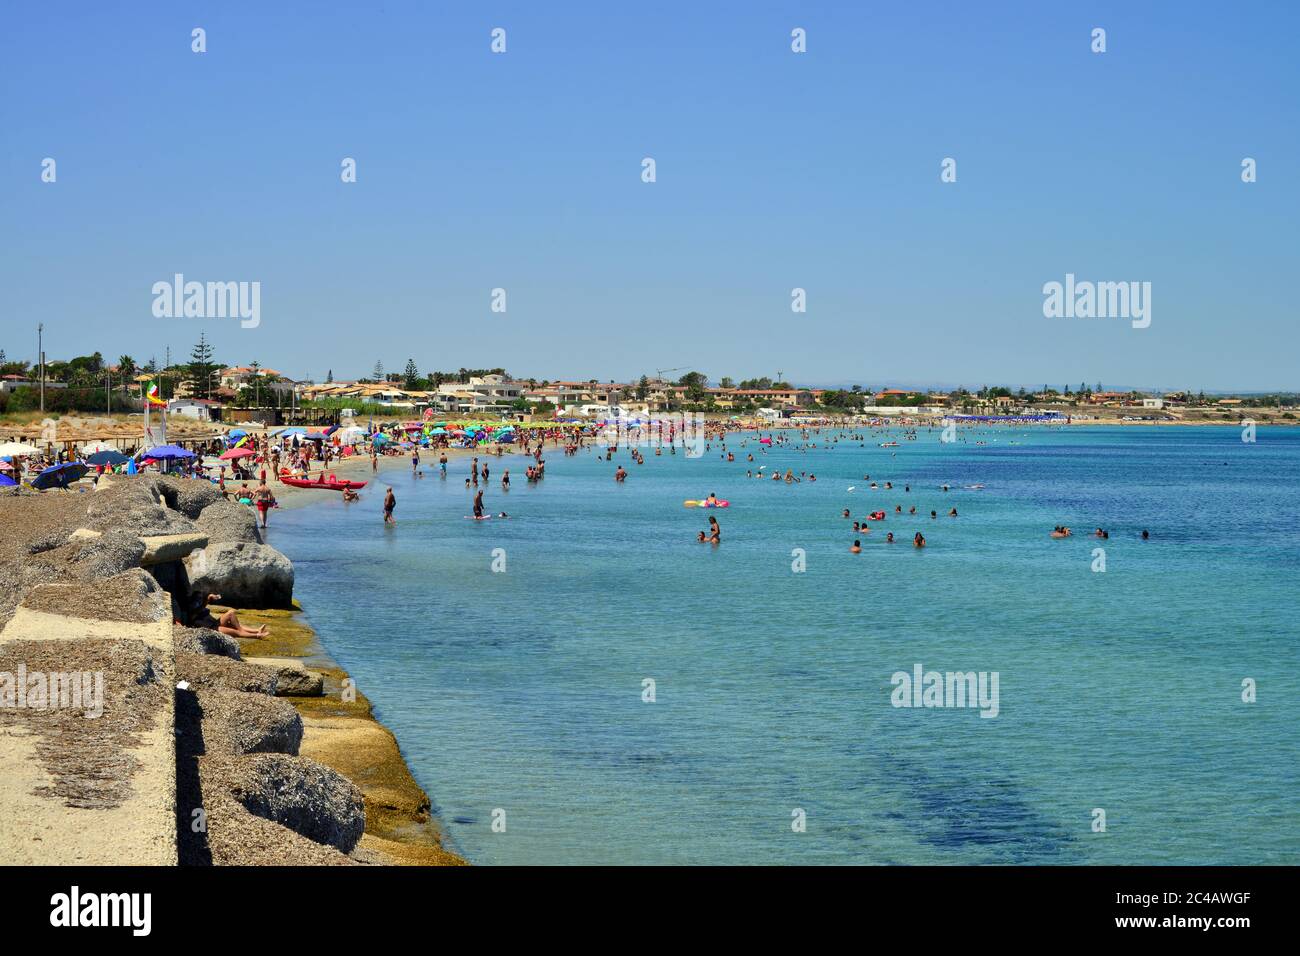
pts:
[40, 358]
[108, 391]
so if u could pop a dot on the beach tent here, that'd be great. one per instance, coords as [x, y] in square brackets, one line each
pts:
[59, 476]
[109, 457]
[6, 481]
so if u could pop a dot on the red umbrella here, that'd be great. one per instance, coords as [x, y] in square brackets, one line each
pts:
[237, 453]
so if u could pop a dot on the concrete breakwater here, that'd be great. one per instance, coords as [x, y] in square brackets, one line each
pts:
[130, 738]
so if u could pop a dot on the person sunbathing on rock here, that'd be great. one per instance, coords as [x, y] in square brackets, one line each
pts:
[228, 623]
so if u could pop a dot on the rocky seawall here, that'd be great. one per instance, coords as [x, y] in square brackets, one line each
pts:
[198, 748]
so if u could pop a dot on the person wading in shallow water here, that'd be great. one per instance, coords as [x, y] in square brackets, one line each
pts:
[478, 504]
[390, 502]
[263, 500]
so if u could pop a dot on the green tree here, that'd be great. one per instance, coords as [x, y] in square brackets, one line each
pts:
[411, 378]
[696, 385]
[201, 368]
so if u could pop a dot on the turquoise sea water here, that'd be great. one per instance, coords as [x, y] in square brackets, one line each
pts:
[1119, 690]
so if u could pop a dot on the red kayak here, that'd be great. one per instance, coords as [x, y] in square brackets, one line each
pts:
[329, 484]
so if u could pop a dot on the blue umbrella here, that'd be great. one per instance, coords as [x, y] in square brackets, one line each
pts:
[59, 476]
[107, 457]
[6, 481]
[168, 451]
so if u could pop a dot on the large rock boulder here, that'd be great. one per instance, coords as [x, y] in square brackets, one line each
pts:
[204, 640]
[132, 504]
[228, 522]
[189, 496]
[239, 723]
[307, 797]
[245, 575]
[208, 670]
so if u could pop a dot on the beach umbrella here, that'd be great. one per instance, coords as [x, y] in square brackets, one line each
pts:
[59, 476]
[168, 451]
[316, 436]
[11, 449]
[237, 433]
[6, 481]
[108, 456]
[236, 453]
[381, 439]
[91, 448]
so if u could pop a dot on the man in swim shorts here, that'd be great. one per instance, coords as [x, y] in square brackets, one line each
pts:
[263, 500]
[390, 502]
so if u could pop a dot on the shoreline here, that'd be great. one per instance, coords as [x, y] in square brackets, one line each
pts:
[346, 736]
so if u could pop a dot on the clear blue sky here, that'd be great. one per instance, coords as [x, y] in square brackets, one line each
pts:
[775, 170]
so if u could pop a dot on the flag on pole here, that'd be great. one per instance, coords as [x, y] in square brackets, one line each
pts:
[153, 397]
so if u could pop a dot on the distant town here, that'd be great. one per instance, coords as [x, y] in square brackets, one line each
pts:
[205, 389]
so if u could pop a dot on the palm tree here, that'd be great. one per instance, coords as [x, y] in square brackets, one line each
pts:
[126, 366]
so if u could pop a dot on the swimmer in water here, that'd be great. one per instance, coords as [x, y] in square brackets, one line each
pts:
[702, 538]
[933, 515]
[846, 513]
[919, 540]
[952, 513]
[857, 548]
[1146, 535]
[620, 475]
[889, 538]
[712, 499]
